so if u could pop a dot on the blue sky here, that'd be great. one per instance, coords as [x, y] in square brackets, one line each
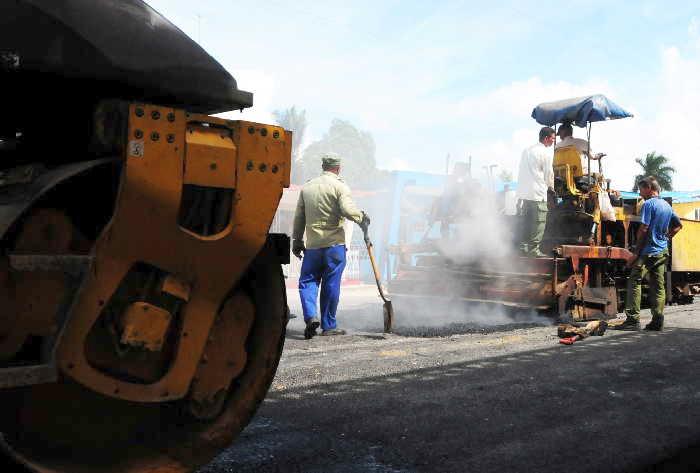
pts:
[460, 77]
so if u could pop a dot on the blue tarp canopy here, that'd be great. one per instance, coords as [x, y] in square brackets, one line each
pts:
[579, 111]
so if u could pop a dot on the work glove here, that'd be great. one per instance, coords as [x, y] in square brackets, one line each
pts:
[364, 223]
[298, 248]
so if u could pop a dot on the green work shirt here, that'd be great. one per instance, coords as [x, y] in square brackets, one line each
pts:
[324, 204]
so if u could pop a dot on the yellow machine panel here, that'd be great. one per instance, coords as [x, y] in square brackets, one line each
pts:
[210, 157]
[567, 166]
[145, 325]
[687, 210]
[161, 162]
[685, 247]
[570, 156]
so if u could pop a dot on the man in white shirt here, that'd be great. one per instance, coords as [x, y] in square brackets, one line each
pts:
[535, 179]
[565, 133]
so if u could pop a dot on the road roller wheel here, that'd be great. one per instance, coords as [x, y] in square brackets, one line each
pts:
[66, 428]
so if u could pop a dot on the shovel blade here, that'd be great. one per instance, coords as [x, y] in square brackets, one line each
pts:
[388, 317]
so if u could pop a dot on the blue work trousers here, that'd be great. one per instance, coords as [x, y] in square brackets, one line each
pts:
[324, 267]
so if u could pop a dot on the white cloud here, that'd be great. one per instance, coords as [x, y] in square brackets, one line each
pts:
[671, 128]
[517, 99]
[507, 108]
[265, 86]
[676, 125]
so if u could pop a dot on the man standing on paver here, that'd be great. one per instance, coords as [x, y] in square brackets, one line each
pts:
[324, 204]
[658, 225]
[535, 179]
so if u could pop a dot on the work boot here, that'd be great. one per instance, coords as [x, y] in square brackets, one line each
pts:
[630, 323]
[311, 326]
[656, 324]
[333, 331]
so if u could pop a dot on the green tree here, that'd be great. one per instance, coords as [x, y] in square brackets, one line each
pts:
[356, 148]
[656, 165]
[295, 121]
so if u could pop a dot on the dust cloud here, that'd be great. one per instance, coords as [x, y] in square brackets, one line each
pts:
[428, 291]
[478, 250]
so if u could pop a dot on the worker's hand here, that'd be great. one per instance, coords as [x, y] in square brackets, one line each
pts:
[298, 248]
[364, 223]
[599, 155]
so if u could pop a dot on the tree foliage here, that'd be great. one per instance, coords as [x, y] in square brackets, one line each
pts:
[356, 148]
[295, 121]
[656, 165]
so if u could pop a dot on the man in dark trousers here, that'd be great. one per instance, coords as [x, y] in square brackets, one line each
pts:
[324, 204]
[535, 181]
[658, 225]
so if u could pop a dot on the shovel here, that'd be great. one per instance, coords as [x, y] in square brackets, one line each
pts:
[388, 308]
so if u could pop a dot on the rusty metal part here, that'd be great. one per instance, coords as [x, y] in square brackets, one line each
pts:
[149, 197]
[577, 252]
[565, 290]
[145, 326]
[521, 283]
[223, 359]
[579, 302]
[562, 285]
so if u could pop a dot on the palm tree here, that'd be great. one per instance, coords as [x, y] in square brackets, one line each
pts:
[295, 121]
[655, 165]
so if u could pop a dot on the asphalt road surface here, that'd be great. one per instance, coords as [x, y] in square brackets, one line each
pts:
[505, 399]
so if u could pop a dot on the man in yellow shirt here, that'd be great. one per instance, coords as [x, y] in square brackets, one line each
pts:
[324, 204]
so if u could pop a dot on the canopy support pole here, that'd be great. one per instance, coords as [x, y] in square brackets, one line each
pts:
[588, 153]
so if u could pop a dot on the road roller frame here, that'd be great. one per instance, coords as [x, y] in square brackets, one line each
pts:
[169, 151]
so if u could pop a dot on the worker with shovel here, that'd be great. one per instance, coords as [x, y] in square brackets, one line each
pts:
[324, 204]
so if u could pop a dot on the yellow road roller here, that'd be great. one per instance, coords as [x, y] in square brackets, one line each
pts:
[143, 307]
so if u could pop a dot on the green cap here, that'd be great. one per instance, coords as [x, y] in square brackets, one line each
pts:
[330, 159]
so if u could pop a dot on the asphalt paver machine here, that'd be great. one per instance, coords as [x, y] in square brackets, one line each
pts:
[587, 235]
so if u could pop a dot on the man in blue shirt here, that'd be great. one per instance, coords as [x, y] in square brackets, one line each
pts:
[658, 225]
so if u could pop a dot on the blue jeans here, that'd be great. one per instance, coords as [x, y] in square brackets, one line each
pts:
[324, 267]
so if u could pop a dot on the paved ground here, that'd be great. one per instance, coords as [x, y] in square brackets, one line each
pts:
[509, 399]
